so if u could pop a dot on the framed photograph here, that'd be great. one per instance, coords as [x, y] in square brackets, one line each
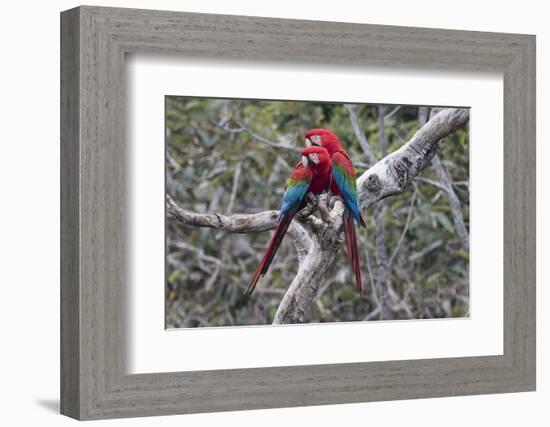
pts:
[219, 159]
[261, 213]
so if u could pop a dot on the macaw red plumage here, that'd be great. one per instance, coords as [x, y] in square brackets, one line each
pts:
[342, 184]
[311, 175]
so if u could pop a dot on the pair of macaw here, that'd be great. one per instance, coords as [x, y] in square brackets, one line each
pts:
[325, 166]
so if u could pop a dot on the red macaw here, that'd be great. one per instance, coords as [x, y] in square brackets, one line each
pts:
[311, 175]
[342, 184]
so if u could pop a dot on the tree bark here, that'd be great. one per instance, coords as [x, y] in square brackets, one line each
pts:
[311, 272]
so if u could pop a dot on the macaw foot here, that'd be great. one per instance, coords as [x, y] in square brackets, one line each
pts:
[313, 199]
[323, 209]
[312, 202]
[333, 198]
[328, 197]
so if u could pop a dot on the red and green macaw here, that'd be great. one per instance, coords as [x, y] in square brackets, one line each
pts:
[342, 184]
[311, 175]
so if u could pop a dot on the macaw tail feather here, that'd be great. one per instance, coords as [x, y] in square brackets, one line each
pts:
[352, 248]
[276, 239]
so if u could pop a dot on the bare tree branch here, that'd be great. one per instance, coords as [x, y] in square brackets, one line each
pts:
[382, 277]
[372, 314]
[236, 223]
[394, 172]
[360, 135]
[431, 182]
[405, 228]
[266, 141]
[198, 251]
[392, 112]
[426, 250]
[234, 188]
[382, 130]
[311, 272]
[303, 288]
[454, 201]
[423, 114]
[372, 282]
[242, 223]
[301, 239]
[259, 138]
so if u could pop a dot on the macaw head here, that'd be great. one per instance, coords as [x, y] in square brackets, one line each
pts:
[316, 158]
[323, 138]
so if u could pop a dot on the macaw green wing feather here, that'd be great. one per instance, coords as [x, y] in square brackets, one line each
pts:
[296, 189]
[343, 176]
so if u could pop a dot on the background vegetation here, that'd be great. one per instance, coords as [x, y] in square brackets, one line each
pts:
[235, 156]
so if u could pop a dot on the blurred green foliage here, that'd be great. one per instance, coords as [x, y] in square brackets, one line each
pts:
[247, 148]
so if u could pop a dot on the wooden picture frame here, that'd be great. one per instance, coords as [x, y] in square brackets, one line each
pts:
[94, 41]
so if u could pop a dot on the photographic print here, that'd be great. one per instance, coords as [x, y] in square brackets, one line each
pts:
[285, 212]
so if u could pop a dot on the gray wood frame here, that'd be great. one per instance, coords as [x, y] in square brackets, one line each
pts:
[94, 383]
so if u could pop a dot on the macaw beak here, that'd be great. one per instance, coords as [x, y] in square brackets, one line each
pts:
[308, 142]
[304, 161]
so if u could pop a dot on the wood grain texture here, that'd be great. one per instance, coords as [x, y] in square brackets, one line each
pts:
[95, 238]
[70, 292]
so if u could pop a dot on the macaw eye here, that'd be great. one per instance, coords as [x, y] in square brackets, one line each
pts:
[315, 140]
[314, 158]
